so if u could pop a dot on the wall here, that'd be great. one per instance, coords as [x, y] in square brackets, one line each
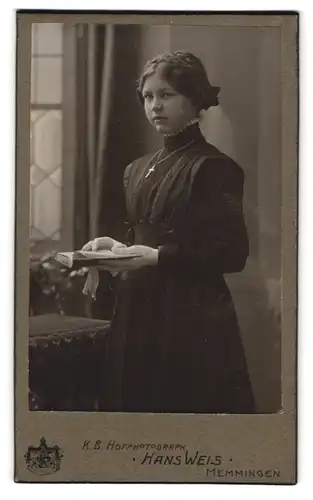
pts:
[269, 205]
[154, 41]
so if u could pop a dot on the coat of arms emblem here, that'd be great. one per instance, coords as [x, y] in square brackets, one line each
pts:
[43, 459]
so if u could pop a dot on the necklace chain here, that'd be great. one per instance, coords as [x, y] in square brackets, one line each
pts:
[158, 154]
[191, 122]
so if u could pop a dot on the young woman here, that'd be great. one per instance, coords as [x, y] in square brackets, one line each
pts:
[175, 344]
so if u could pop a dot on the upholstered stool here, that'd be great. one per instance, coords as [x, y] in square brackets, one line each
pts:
[66, 362]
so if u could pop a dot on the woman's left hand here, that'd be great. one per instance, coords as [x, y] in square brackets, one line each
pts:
[147, 257]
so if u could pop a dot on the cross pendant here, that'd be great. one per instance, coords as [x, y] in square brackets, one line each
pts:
[151, 169]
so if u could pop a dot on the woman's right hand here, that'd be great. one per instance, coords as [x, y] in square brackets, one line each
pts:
[102, 243]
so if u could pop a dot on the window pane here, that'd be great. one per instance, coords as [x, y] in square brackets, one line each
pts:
[47, 140]
[56, 177]
[36, 175]
[35, 234]
[34, 115]
[47, 38]
[46, 80]
[56, 236]
[47, 208]
[46, 175]
[46, 136]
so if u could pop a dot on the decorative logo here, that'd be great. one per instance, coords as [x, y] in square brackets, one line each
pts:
[43, 459]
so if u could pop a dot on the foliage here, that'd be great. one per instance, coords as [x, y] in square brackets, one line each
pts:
[57, 289]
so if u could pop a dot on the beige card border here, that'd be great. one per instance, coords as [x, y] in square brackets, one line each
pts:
[260, 442]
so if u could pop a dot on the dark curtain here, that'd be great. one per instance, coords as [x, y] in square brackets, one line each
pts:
[124, 133]
[108, 136]
[95, 52]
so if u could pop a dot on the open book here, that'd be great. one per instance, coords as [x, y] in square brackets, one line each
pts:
[82, 258]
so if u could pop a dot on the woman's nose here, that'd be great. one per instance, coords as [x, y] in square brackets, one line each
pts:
[156, 105]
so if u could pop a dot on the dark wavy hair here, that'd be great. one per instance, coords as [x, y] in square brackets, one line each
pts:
[186, 74]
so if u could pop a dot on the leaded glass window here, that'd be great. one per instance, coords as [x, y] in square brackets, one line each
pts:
[46, 137]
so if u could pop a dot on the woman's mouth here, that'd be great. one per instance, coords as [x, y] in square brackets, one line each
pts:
[159, 118]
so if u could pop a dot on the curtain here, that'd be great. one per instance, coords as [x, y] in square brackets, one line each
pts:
[108, 135]
[94, 77]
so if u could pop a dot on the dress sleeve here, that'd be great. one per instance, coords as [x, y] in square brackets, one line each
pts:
[213, 234]
[126, 175]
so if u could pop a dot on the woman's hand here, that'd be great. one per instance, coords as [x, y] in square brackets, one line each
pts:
[147, 256]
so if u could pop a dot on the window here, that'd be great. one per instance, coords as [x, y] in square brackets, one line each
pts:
[46, 137]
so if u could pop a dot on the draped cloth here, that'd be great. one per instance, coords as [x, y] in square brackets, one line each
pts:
[101, 99]
[95, 57]
[94, 76]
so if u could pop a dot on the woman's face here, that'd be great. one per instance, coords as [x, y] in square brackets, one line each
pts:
[167, 110]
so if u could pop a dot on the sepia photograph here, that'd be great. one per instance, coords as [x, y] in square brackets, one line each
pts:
[155, 218]
[161, 145]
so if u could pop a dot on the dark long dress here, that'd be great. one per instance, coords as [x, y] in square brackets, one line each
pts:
[175, 344]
